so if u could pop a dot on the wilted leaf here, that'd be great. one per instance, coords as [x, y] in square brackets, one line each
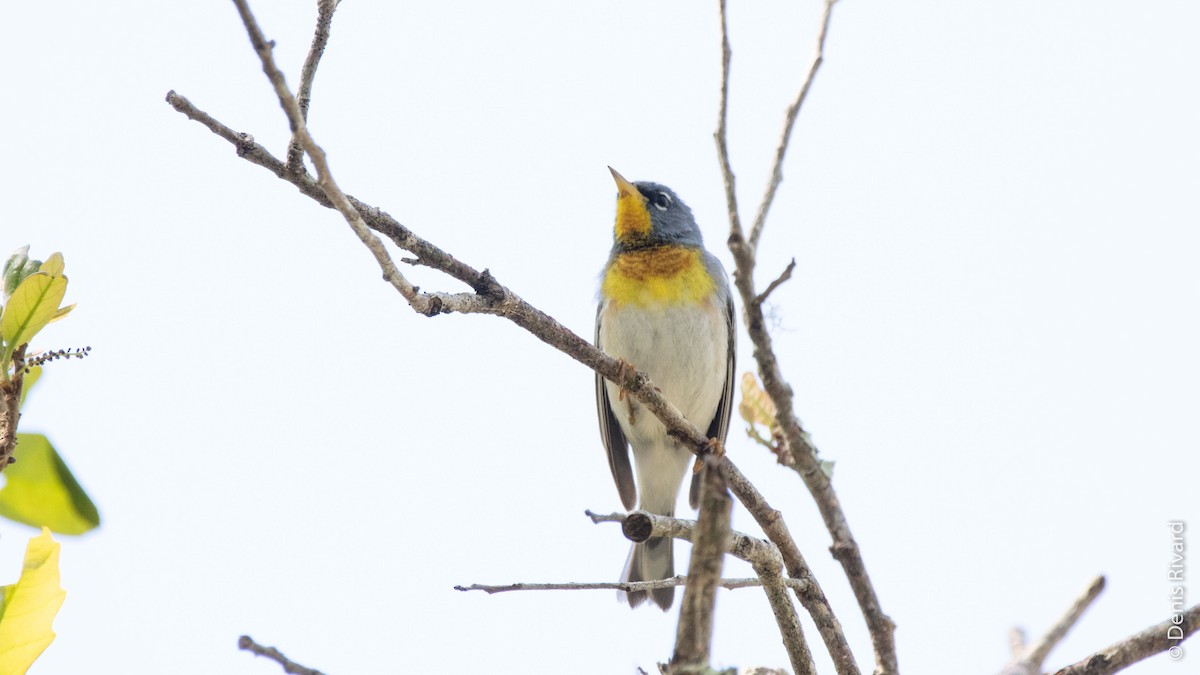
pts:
[41, 491]
[756, 408]
[28, 607]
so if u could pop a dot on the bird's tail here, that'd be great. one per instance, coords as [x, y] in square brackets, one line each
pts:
[654, 559]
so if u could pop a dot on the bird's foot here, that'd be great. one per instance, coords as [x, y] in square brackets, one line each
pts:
[714, 448]
[628, 370]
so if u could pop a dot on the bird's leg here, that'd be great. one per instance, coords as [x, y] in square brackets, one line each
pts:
[627, 370]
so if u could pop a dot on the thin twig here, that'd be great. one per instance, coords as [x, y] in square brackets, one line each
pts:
[1016, 643]
[480, 302]
[1028, 659]
[247, 643]
[789, 122]
[325, 9]
[693, 637]
[626, 586]
[779, 281]
[1041, 649]
[1167, 636]
[722, 115]
[324, 177]
[605, 518]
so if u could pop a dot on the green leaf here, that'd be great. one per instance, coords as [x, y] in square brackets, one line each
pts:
[42, 492]
[31, 307]
[30, 378]
[28, 607]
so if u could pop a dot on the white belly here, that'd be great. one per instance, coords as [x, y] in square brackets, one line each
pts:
[683, 350]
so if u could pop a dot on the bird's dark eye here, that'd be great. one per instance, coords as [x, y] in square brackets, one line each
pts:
[662, 201]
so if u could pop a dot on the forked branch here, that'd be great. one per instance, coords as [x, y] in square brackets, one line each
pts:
[1161, 637]
[800, 454]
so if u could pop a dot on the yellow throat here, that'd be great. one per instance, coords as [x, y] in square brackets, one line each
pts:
[657, 277]
[633, 220]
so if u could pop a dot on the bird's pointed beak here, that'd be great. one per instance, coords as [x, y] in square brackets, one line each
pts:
[633, 220]
[624, 187]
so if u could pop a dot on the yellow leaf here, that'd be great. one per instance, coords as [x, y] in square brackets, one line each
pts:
[54, 265]
[31, 307]
[757, 408]
[28, 607]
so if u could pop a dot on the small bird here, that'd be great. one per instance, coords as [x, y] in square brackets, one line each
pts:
[666, 309]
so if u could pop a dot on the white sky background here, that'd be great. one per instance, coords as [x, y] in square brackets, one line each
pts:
[992, 328]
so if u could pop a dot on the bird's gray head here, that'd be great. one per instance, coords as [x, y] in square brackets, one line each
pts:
[649, 214]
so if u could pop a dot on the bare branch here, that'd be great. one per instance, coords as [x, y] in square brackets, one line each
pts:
[325, 8]
[811, 597]
[799, 455]
[1161, 637]
[324, 177]
[762, 555]
[722, 114]
[693, 637]
[789, 122]
[1041, 649]
[433, 304]
[638, 526]
[1028, 659]
[247, 643]
[785, 616]
[769, 569]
